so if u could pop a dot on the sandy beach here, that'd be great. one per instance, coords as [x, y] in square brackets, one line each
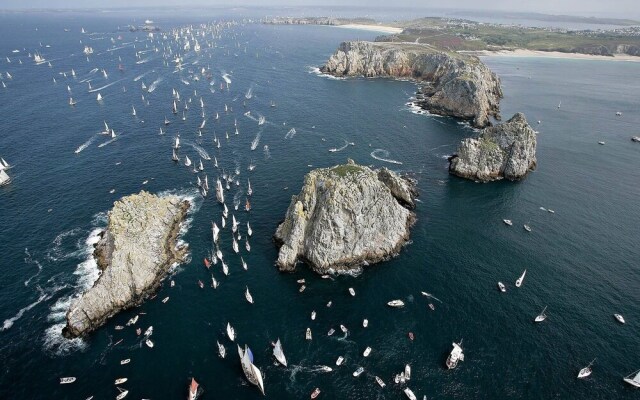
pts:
[551, 54]
[375, 28]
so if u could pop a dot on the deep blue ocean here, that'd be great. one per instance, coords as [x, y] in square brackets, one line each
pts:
[582, 261]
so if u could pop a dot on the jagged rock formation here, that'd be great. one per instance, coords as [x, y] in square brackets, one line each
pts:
[344, 217]
[506, 151]
[135, 254]
[452, 84]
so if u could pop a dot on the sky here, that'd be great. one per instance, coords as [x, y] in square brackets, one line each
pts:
[621, 8]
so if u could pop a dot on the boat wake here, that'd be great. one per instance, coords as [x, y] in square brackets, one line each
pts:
[85, 144]
[137, 78]
[226, 78]
[8, 323]
[237, 198]
[154, 85]
[105, 86]
[28, 259]
[108, 141]
[201, 151]
[381, 155]
[256, 140]
[335, 150]
[290, 134]
[267, 153]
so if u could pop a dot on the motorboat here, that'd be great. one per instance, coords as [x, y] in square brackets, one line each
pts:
[121, 380]
[339, 361]
[313, 315]
[380, 382]
[125, 361]
[358, 372]
[365, 323]
[149, 343]
[507, 222]
[619, 318]
[344, 329]
[502, 287]
[68, 379]
[366, 352]
[331, 332]
[521, 279]
[123, 394]
[307, 334]
[409, 394]
[315, 393]
[222, 352]
[231, 333]
[455, 355]
[527, 227]
[542, 316]
[407, 372]
[586, 371]
[352, 292]
[396, 303]
[193, 389]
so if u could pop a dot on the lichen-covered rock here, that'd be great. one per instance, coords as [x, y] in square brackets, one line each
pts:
[344, 217]
[506, 151]
[134, 254]
[452, 84]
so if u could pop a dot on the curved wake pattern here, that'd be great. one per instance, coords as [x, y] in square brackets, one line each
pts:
[154, 85]
[290, 134]
[29, 260]
[381, 155]
[201, 151]
[137, 78]
[85, 144]
[256, 140]
[105, 86]
[8, 323]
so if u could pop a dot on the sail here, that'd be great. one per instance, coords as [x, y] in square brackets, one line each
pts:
[637, 377]
[4, 178]
[258, 377]
[279, 354]
[247, 365]
[250, 353]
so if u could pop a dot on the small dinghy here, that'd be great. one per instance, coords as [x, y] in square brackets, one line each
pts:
[396, 303]
[542, 316]
[586, 371]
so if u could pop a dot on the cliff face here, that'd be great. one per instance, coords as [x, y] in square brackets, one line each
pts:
[134, 254]
[451, 84]
[344, 217]
[506, 151]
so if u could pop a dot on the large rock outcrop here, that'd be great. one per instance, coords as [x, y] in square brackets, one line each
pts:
[135, 254]
[506, 150]
[344, 217]
[452, 84]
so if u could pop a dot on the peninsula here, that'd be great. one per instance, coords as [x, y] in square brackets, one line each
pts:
[346, 216]
[451, 84]
[134, 254]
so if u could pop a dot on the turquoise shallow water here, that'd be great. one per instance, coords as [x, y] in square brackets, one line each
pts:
[581, 261]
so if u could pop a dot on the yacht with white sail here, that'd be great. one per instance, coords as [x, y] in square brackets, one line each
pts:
[542, 316]
[231, 332]
[279, 354]
[252, 372]
[586, 371]
[248, 296]
[521, 279]
[635, 381]
[221, 350]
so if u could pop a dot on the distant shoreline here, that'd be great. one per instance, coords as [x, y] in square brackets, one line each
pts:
[550, 54]
[373, 28]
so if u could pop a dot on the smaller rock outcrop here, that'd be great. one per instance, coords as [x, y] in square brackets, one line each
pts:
[506, 150]
[344, 217]
[134, 253]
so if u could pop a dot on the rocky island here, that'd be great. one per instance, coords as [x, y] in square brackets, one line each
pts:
[506, 150]
[134, 254]
[451, 84]
[346, 216]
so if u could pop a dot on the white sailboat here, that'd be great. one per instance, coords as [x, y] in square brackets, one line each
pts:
[231, 332]
[279, 354]
[235, 246]
[187, 161]
[248, 296]
[215, 231]
[133, 111]
[586, 371]
[249, 190]
[244, 264]
[521, 279]
[409, 394]
[5, 179]
[99, 97]
[221, 350]
[234, 224]
[249, 231]
[502, 287]
[253, 374]
[635, 381]
[176, 144]
[619, 318]
[542, 316]
[219, 191]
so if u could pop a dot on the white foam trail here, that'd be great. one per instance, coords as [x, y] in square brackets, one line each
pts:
[146, 60]
[8, 323]
[137, 78]
[381, 154]
[86, 144]
[55, 253]
[105, 86]
[256, 140]
[154, 85]
[226, 78]
[341, 148]
[29, 259]
[267, 153]
[201, 152]
[290, 134]
[108, 141]
[316, 71]
[58, 344]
